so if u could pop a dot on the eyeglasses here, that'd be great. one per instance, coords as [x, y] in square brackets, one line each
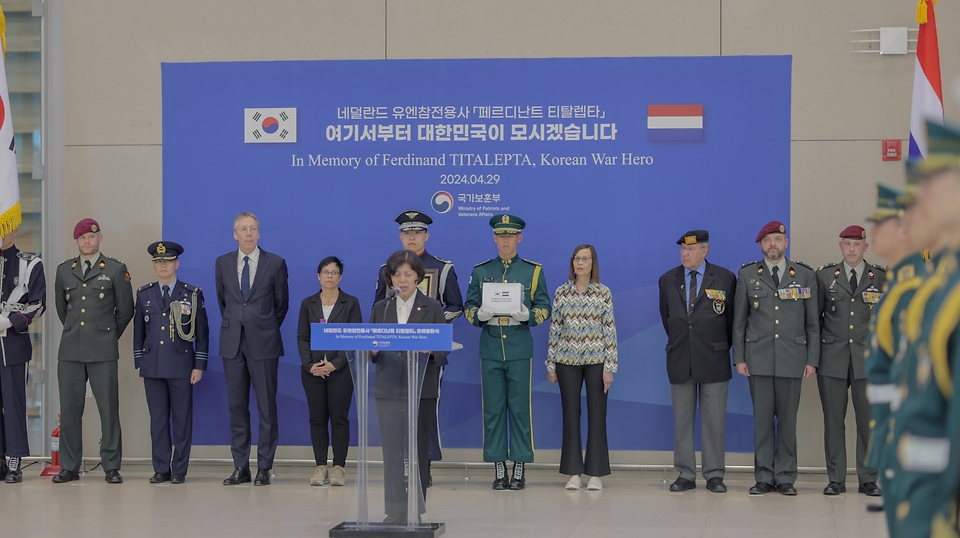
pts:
[579, 259]
[330, 274]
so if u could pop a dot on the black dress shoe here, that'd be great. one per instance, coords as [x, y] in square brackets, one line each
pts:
[159, 477]
[518, 479]
[682, 484]
[760, 488]
[835, 488]
[501, 482]
[239, 476]
[14, 477]
[787, 489]
[870, 489]
[113, 477]
[178, 479]
[65, 476]
[716, 485]
[393, 520]
[263, 477]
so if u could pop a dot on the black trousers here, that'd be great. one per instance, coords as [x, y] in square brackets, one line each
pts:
[13, 410]
[596, 461]
[392, 416]
[242, 372]
[328, 400]
[170, 399]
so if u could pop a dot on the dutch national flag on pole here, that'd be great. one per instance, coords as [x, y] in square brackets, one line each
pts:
[674, 122]
[927, 93]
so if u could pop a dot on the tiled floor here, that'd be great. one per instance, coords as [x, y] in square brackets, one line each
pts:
[629, 506]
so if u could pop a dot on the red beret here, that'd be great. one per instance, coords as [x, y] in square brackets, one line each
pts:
[85, 226]
[853, 232]
[772, 227]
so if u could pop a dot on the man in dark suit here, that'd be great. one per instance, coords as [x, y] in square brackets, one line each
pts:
[776, 330]
[696, 301]
[847, 292]
[404, 270]
[23, 291]
[253, 297]
[95, 303]
[170, 342]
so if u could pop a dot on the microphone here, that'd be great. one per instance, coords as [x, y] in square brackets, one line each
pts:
[393, 293]
[391, 298]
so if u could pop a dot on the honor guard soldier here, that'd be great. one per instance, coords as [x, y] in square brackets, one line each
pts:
[926, 423]
[506, 349]
[23, 292]
[907, 270]
[95, 303]
[776, 333]
[440, 284]
[170, 343]
[847, 292]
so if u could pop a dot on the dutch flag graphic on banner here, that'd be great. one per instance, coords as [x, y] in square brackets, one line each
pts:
[674, 122]
[265, 125]
[927, 101]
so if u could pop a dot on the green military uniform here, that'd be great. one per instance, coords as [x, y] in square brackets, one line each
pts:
[775, 332]
[94, 308]
[844, 329]
[506, 349]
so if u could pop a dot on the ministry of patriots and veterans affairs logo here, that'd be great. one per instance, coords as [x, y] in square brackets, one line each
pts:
[10, 212]
[441, 202]
[269, 125]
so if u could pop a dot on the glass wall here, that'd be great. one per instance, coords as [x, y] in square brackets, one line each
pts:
[23, 80]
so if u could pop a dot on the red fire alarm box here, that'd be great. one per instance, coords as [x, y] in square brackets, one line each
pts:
[891, 150]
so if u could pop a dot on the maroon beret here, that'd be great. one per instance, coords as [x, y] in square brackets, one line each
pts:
[85, 226]
[772, 227]
[853, 232]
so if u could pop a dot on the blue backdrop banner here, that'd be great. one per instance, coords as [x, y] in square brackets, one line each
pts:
[624, 153]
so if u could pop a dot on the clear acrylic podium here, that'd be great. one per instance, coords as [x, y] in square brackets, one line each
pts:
[395, 354]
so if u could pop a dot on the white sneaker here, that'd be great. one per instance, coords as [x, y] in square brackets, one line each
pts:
[319, 477]
[594, 484]
[574, 483]
[337, 476]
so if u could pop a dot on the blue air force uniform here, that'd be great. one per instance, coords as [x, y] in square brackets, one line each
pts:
[170, 339]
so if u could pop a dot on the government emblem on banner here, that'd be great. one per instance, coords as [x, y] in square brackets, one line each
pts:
[269, 125]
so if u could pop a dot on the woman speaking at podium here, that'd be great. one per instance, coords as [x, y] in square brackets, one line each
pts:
[405, 303]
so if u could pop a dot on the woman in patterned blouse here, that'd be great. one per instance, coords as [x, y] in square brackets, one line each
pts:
[583, 349]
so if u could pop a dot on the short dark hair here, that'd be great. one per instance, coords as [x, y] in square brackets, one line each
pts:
[401, 257]
[594, 269]
[327, 261]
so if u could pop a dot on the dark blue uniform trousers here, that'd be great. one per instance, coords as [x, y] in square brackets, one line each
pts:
[170, 399]
[13, 418]
[242, 372]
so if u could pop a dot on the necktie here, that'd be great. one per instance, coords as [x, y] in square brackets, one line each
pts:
[853, 280]
[245, 278]
[692, 292]
[86, 267]
[776, 276]
[166, 296]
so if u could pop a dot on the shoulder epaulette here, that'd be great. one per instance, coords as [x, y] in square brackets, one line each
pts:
[70, 260]
[822, 267]
[484, 262]
[146, 286]
[190, 287]
[529, 261]
[114, 259]
[25, 256]
[880, 267]
[441, 260]
[750, 263]
[798, 262]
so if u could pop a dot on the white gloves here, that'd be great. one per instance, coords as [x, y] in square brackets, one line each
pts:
[484, 315]
[5, 323]
[522, 315]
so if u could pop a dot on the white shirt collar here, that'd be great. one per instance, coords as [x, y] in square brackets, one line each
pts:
[254, 256]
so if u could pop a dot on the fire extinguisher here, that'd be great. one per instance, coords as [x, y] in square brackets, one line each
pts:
[54, 467]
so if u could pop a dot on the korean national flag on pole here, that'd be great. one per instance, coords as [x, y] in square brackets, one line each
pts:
[264, 125]
[10, 213]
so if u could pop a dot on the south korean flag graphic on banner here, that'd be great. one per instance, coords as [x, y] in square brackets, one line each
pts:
[263, 125]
